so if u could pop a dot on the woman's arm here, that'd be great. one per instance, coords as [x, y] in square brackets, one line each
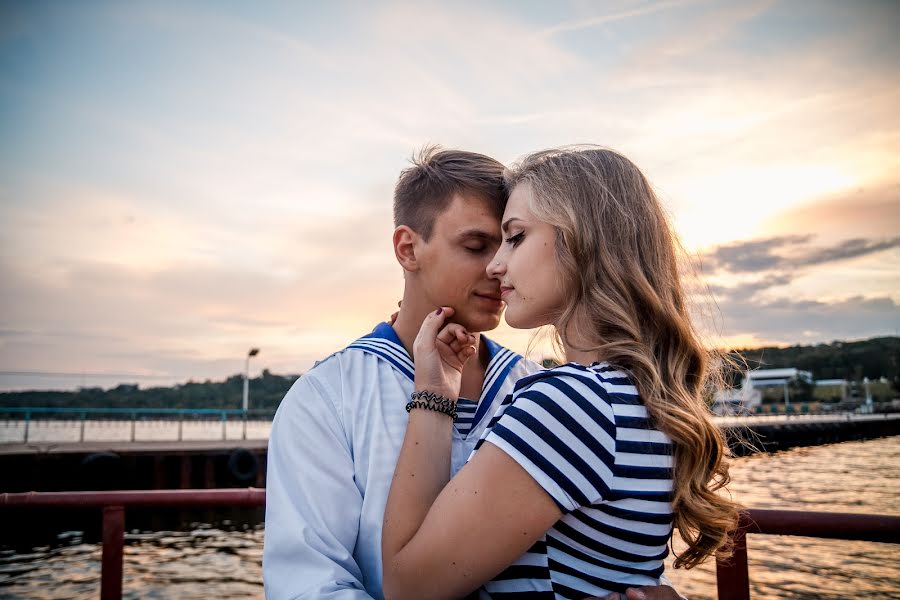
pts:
[440, 540]
[444, 541]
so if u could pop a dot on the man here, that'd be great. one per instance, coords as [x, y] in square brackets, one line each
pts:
[337, 434]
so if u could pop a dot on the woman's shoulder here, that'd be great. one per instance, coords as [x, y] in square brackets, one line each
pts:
[600, 376]
[600, 380]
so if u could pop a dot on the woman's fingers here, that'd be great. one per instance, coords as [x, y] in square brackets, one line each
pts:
[431, 326]
[454, 331]
[446, 335]
[436, 333]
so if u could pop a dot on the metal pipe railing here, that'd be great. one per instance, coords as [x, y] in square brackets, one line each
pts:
[30, 417]
[732, 574]
[114, 505]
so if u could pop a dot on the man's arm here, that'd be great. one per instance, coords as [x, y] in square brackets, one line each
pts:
[312, 503]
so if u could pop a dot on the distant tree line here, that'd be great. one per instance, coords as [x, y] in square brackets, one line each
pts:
[874, 358]
[266, 392]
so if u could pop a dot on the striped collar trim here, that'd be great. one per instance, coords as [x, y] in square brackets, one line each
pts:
[384, 342]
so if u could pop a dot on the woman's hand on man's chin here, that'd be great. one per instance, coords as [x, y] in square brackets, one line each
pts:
[440, 352]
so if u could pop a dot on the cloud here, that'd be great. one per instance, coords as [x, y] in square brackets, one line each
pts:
[786, 321]
[590, 22]
[848, 249]
[871, 210]
[789, 253]
[707, 27]
[750, 289]
[754, 255]
[299, 300]
[759, 287]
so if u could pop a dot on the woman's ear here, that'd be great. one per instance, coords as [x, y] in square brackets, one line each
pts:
[406, 243]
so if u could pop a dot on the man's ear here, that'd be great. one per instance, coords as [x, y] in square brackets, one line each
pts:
[406, 244]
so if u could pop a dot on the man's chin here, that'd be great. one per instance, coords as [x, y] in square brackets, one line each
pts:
[477, 323]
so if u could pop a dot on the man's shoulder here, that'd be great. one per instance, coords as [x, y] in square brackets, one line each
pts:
[351, 367]
[328, 384]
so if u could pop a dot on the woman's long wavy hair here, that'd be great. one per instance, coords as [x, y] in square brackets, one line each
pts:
[618, 259]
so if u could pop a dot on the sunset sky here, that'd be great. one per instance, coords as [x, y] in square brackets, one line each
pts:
[182, 181]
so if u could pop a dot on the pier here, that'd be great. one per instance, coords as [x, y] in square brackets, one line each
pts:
[227, 449]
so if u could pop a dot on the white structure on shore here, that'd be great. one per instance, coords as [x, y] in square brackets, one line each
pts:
[776, 377]
[838, 384]
[745, 399]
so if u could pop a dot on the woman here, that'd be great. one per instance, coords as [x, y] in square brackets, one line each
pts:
[575, 486]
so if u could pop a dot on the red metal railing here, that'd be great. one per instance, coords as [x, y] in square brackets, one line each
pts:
[114, 505]
[732, 575]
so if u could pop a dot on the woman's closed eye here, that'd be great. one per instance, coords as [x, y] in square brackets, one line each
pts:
[515, 240]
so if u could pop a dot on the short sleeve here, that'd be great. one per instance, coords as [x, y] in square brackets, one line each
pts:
[561, 429]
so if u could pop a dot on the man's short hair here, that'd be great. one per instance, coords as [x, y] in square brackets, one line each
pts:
[425, 189]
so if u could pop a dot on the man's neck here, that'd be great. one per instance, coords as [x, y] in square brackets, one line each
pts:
[407, 326]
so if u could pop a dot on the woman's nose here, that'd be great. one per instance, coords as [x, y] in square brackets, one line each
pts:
[496, 267]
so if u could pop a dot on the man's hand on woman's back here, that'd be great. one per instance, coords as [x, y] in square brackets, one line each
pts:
[660, 592]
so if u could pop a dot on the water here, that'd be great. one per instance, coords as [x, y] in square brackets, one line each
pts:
[860, 477]
[226, 562]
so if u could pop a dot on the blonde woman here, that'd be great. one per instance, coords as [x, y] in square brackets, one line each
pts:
[574, 488]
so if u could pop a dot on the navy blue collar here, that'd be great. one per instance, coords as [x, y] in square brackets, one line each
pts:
[385, 343]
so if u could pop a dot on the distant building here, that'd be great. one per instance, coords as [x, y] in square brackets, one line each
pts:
[744, 400]
[736, 401]
[776, 377]
[767, 378]
[838, 388]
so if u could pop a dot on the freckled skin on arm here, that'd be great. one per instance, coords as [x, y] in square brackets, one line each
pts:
[484, 519]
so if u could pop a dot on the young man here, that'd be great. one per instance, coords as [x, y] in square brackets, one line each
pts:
[337, 434]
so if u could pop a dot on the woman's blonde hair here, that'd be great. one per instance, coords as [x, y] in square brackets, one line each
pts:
[618, 258]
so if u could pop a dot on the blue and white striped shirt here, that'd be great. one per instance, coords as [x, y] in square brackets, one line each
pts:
[585, 436]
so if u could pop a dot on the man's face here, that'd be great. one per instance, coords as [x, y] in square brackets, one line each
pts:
[454, 263]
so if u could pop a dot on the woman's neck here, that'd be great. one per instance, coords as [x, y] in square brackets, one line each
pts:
[573, 344]
[580, 357]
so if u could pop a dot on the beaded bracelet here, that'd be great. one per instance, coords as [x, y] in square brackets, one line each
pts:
[432, 401]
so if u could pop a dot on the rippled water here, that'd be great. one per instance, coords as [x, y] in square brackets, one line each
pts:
[226, 562]
[205, 562]
[860, 477]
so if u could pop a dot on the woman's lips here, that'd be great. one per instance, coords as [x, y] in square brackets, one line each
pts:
[504, 291]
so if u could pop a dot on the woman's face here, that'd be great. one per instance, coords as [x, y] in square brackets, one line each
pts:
[525, 265]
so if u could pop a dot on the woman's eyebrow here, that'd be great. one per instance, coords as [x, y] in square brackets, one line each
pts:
[505, 226]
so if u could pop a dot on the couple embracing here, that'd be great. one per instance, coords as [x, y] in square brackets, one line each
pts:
[426, 461]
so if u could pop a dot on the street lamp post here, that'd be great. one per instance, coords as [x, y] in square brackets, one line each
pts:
[252, 352]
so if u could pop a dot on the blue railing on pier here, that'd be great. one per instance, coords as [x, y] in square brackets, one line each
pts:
[27, 415]
[69, 424]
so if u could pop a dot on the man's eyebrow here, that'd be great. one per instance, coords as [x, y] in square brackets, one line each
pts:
[505, 226]
[479, 234]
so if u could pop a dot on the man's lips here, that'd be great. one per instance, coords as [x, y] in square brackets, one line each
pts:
[490, 297]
